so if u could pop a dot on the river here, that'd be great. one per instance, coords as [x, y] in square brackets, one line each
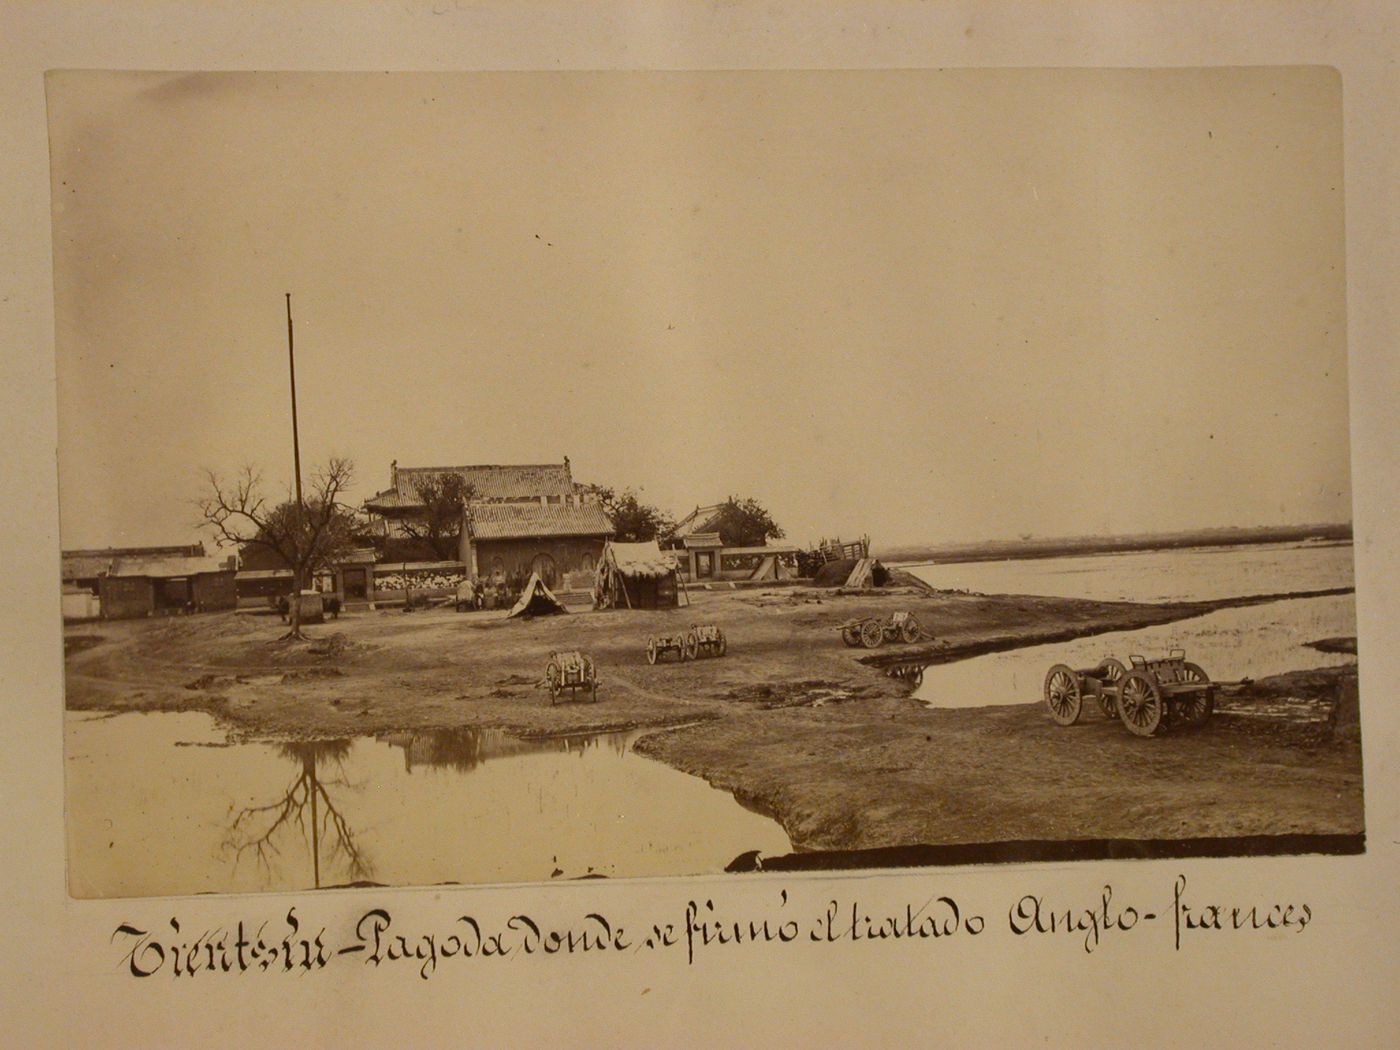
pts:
[1186, 574]
[1251, 641]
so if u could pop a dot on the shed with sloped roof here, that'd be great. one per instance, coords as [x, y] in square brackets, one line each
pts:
[136, 586]
[636, 576]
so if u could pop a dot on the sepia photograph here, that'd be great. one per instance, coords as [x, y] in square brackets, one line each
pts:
[525, 477]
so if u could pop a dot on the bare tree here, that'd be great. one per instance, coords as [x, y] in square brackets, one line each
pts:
[445, 498]
[306, 537]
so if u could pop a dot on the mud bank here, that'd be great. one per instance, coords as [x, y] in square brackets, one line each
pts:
[379, 671]
[941, 651]
[1272, 764]
[790, 720]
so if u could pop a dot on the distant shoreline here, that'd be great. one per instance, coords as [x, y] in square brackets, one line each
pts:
[1013, 550]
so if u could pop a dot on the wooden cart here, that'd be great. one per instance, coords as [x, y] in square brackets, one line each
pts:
[571, 670]
[707, 639]
[658, 645]
[873, 631]
[1144, 696]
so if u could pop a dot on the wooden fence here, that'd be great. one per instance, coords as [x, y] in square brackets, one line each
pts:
[835, 550]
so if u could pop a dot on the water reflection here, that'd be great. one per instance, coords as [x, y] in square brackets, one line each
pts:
[913, 673]
[161, 804]
[464, 748]
[306, 806]
[308, 809]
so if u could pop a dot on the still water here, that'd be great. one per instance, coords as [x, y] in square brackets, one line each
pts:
[1189, 574]
[164, 804]
[1252, 641]
[1229, 644]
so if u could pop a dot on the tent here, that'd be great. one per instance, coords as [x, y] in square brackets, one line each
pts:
[536, 600]
[635, 576]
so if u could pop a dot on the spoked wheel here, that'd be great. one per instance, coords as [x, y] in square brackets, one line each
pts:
[851, 635]
[909, 630]
[1112, 672]
[872, 633]
[692, 646]
[1140, 703]
[651, 650]
[721, 646]
[1062, 695]
[1196, 708]
[553, 676]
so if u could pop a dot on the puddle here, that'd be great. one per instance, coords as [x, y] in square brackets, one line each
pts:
[165, 804]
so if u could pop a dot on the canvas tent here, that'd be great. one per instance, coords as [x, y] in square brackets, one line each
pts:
[635, 576]
[536, 600]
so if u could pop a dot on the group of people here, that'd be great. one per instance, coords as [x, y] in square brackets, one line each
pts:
[494, 592]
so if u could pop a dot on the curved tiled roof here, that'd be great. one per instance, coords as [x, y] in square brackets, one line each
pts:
[389, 499]
[699, 520]
[508, 521]
[84, 564]
[489, 481]
[167, 566]
[700, 540]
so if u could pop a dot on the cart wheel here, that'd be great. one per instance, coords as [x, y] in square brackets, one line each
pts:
[1112, 672]
[1196, 708]
[1062, 695]
[1194, 673]
[872, 634]
[1140, 703]
[721, 646]
[692, 646]
[851, 636]
[651, 650]
[909, 630]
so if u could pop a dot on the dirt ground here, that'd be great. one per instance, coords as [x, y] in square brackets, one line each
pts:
[790, 720]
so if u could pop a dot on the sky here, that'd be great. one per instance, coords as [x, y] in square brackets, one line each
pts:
[925, 306]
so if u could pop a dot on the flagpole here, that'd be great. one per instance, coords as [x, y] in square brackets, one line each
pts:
[296, 443]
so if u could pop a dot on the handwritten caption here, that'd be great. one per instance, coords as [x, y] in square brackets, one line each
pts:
[375, 939]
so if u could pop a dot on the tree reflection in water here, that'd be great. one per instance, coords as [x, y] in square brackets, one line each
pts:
[307, 805]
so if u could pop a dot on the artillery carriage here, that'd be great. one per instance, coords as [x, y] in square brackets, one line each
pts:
[701, 638]
[571, 670]
[1144, 696]
[873, 631]
[706, 638]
